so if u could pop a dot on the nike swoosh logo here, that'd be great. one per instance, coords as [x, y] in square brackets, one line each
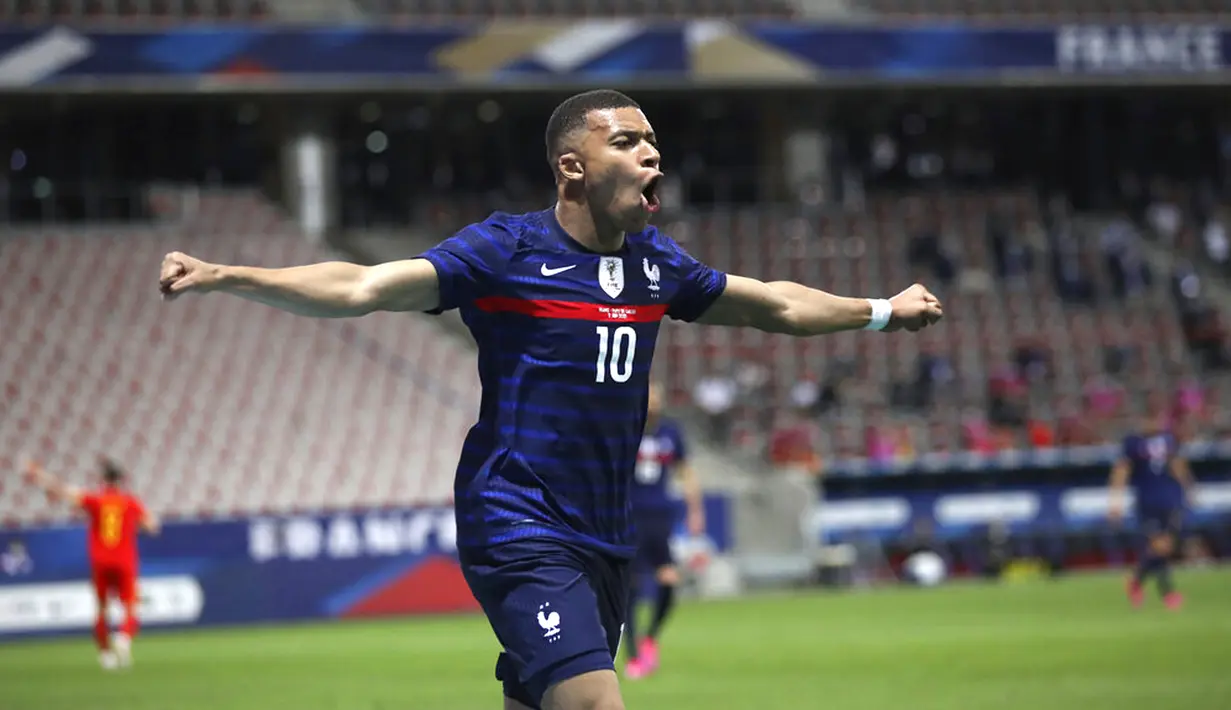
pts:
[552, 272]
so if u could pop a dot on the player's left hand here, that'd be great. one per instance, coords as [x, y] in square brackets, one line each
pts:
[696, 522]
[914, 309]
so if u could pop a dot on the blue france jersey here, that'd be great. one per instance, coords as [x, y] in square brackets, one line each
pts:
[1150, 457]
[661, 450]
[565, 338]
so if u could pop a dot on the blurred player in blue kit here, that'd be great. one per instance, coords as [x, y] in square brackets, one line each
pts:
[1161, 480]
[565, 306]
[661, 457]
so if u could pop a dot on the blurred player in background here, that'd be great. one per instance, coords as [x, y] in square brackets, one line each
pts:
[661, 455]
[114, 516]
[565, 306]
[1161, 480]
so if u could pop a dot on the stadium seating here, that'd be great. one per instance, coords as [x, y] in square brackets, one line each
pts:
[113, 11]
[217, 406]
[866, 253]
[999, 10]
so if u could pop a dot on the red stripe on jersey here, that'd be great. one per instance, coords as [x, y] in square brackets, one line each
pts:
[572, 311]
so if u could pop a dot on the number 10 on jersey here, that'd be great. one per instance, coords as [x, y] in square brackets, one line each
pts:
[615, 353]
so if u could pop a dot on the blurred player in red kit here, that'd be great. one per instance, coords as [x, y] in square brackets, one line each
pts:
[114, 518]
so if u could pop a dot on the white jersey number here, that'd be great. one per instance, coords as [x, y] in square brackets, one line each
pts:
[612, 347]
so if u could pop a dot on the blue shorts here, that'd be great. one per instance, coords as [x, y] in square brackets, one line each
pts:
[557, 609]
[1156, 521]
[654, 541]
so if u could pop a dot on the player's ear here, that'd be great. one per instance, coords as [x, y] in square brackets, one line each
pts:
[570, 166]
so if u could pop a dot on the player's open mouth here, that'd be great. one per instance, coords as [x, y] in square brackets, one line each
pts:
[649, 195]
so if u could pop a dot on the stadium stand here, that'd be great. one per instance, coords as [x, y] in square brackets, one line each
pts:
[217, 406]
[1024, 359]
[994, 325]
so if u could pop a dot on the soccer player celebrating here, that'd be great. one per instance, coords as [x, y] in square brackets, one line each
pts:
[1161, 480]
[662, 453]
[114, 517]
[565, 306]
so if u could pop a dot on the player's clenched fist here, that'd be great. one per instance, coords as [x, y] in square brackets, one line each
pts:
[181, 273]
[914, 309]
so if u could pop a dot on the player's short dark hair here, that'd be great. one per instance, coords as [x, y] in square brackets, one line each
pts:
[571, 114]
[112, 473]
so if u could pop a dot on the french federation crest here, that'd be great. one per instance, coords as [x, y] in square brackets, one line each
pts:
[611, 275]
[652, 274]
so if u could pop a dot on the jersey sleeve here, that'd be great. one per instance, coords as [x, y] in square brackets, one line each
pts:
[699, 285]
[1128, 448]
[89, 503]
[138, 509]
[468, 263]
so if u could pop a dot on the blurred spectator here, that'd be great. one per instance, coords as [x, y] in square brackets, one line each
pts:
[1104, 396]
[1006, 394]
[934, 372]
[1033, 359]
[1117, 358]
[1163, 214]
[879, 439]
[1073, 429]
[1012, 258]
[1122, 259]
[1040, 434]
[805, 394]
[791, 444]
[1186, 286]
[903, 436]
[1068, 269]
[1217, 245]
[904, 390]
[926, 251]
[715, 396]
[1189, 401]
[977, 436]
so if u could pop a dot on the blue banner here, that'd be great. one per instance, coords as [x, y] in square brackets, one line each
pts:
[338, 565]
[956, 512]
[700, 52]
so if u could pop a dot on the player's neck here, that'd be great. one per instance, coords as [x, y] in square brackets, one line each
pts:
[578, 222]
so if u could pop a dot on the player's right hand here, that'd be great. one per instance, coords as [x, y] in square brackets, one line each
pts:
[914, 309]
[1115, 514]
[182, 273]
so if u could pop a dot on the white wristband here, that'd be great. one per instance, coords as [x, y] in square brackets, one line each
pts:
[881, 311]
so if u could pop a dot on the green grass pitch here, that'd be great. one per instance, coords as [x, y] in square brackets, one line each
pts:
[1070, 644]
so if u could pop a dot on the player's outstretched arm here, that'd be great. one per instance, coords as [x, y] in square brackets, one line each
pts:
[795, 309]
[52, 486]
[331, 289]
[694, 500]
[1183, 473]
[1117, 484]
